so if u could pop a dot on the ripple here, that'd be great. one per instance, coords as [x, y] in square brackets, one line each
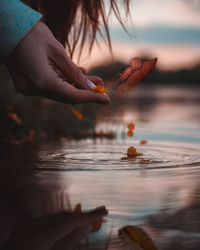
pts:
[108, 156]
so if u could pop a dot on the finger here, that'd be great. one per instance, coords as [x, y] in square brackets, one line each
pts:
[83, 70]
[62, 91]
[95, 79]
[72, 73]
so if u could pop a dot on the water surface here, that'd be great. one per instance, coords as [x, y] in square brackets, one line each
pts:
[161, 195]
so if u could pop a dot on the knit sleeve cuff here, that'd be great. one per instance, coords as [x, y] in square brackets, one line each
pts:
[16, 20]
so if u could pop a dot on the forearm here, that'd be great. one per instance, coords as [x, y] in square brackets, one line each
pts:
[16, 20]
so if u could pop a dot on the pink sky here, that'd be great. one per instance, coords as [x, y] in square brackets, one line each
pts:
[172, 13]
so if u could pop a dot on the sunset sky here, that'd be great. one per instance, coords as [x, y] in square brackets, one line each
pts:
[168, 29]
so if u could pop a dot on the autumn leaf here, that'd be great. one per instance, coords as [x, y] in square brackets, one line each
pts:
[143, 142]
[133, 75]
[31, 135]
[78, 114]
[100, 89]
[63, 139]
[15, 118]
[138, 74]
[129, 133]
[131, 126]
[135, 64]
[132, 152]
[134, 234]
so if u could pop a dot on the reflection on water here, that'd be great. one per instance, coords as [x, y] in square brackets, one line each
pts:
[39, 182]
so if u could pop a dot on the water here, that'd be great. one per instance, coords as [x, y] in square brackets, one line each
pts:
[161, 195]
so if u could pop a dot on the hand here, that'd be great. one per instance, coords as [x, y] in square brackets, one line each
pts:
[34, 66]
[55, 232]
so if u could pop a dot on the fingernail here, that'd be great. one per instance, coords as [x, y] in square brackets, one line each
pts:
[91, 84]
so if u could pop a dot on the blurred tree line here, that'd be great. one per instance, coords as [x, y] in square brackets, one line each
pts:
[25, 119]
[111, 70]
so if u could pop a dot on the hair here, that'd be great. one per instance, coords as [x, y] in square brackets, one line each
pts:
[75, 22]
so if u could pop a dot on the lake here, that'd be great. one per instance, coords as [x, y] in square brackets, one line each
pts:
[160, 194]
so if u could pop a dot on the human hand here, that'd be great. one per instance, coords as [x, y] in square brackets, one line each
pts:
[34, 66]
[55, 232]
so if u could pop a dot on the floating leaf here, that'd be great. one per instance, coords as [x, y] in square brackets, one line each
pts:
[142, 160]
[132, 152]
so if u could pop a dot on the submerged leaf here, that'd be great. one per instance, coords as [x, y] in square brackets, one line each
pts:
[133, 234]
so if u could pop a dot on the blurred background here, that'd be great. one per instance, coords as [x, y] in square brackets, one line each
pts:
[44, 159]
[167, 29]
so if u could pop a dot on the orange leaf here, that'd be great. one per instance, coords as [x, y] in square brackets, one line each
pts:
[31, 135]
[134, 74]
[131, 126]
[126, 73]
[17, 142]
[133, 234]
[100, 89]
[132, 152]
[78, 114]
[129, 133]
[63, 139]
[15, 118]
[140, 73]
[143, 142]
[135, 63]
